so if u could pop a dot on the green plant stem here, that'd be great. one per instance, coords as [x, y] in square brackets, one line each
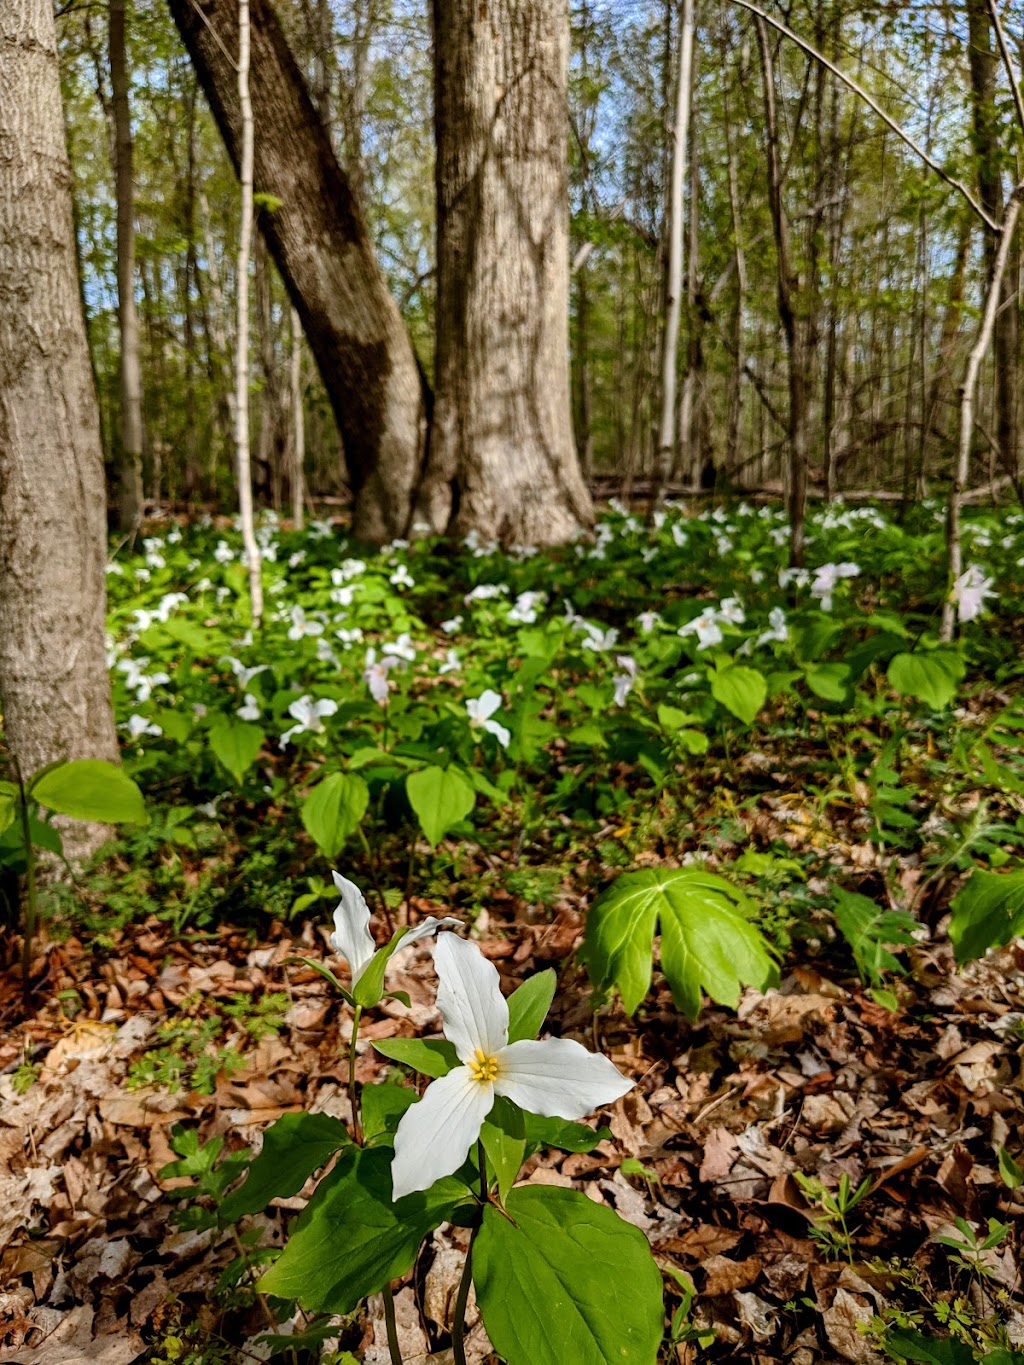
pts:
[31, 907]
[353, 1096]
[391, 1325]
[462, 1298]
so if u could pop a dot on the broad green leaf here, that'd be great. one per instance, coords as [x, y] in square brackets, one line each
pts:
[293, 1148]
[382, 1106]
[333, 809]
[91, 789]
[430, 1056]
[528, 1005]
[741, 690]
[1009, 1172]
[563, 1279]
[930, 676]
[908, 1344]
[561, 1133]
[707, 939]
[352, 1239]
[440, 797]
[236, 743]
[8, 810]
[504, 1139]
[988, 911]
[831, 682]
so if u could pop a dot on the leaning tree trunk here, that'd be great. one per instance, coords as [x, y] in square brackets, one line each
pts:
[502, 458]
[53, 674]
[129, 475]
[320, 244]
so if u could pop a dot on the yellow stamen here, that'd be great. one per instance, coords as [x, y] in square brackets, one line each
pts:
[483, 1068]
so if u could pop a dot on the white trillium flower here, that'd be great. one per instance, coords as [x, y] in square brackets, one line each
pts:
[970, 591]
[481, 709]
[452, 625]
[451, 663]
[402, 648]
[310, 716]
[301, 626]
[556, 1078]
[623, 682]
[251, 710]
[401, 578]
[647, 620]
[705, 627]
[375, 675]
[777, 628]
[243, 674]
[137, 726]
[352, 939]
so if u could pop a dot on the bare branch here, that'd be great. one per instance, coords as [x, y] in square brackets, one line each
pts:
[887, 119]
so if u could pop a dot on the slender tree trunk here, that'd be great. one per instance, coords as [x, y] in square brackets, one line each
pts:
[53, 675]
[984, 64]
[320, 245]
[502, 458]
[787, 289]
[961, 473]
[298, 432]
[129, 482]
[243, 467]
[674, 288]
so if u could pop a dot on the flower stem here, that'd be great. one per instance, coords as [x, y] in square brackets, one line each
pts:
[353, 1097]
[459, 1323]
[462, 1298]
[391, 1325]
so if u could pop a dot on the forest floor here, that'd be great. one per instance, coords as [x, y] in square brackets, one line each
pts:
[156, 1012]
[811, 1078]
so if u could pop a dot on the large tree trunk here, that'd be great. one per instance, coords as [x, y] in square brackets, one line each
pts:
[129, 476]
[320, 244]
[502, 459]
[53, 673]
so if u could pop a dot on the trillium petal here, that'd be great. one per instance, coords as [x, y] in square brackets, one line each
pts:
[434, 1136]
[352, 937]
[472, 1006]
[558, 1078]
[428, 927]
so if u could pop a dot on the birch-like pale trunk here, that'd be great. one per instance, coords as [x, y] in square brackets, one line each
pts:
[674, 291]
[954, 543]
[298, 442]
[243, 461]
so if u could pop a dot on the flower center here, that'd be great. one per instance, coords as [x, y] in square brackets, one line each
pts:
[483, 1068]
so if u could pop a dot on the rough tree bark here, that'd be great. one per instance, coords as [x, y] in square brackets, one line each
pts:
[53, 676]
[129, 474]
[502, 459]
[320, 244]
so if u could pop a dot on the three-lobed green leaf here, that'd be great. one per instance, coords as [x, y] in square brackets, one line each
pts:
[707, 939]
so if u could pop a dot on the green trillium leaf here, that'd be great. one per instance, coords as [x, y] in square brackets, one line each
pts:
[707, 939]
[561, 1279]
[352, 1239]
